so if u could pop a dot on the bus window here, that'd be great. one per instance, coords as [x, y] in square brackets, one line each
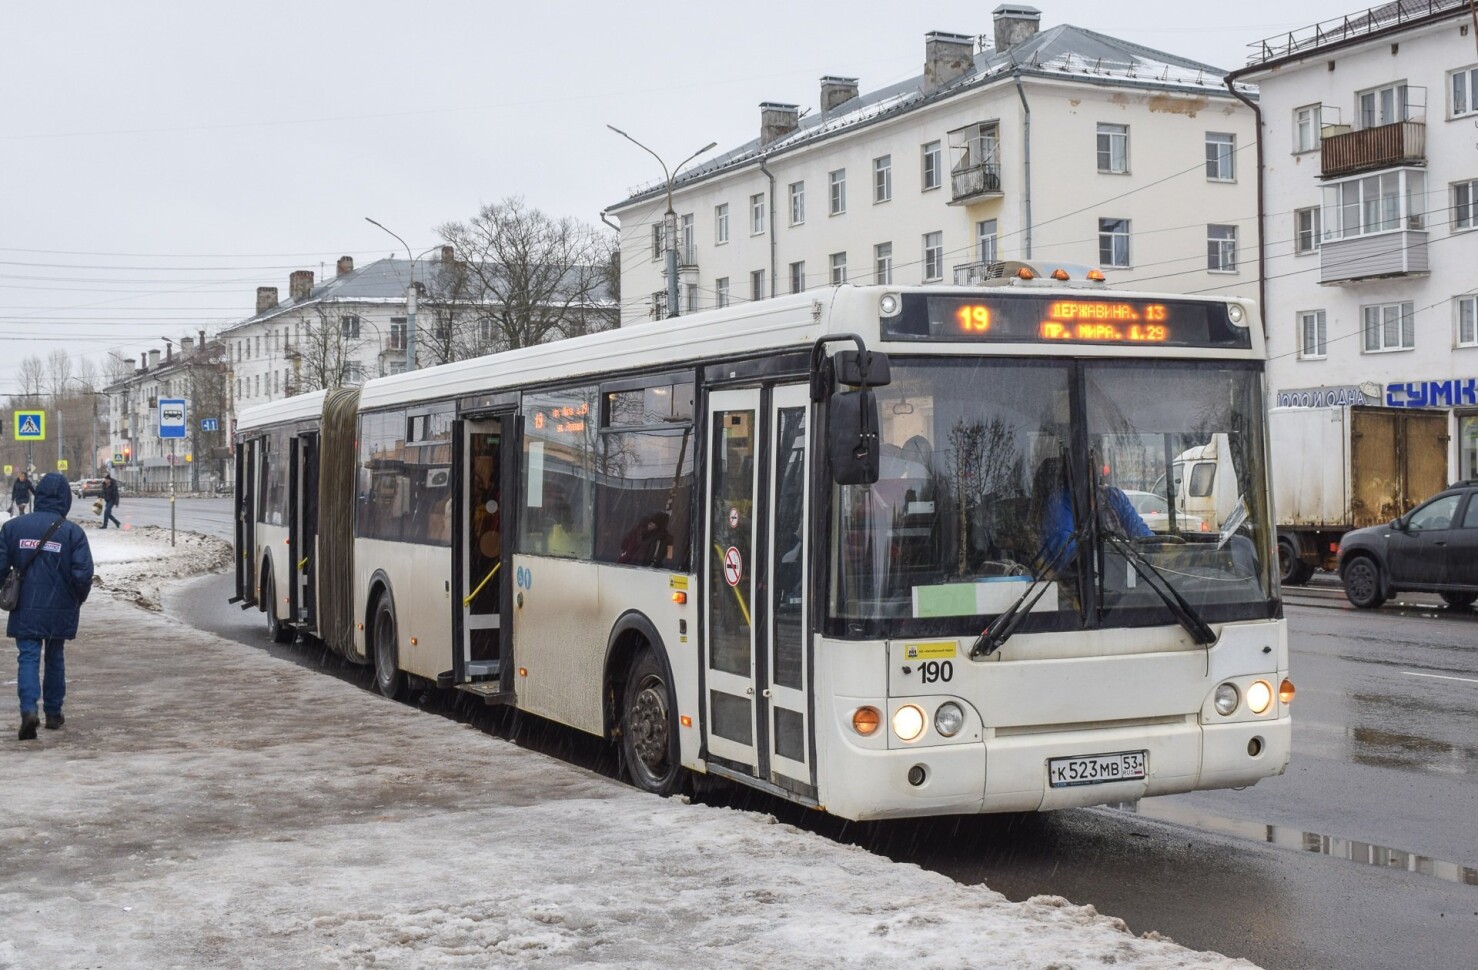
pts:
[560, 464]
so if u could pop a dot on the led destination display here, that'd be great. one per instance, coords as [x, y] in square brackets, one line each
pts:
[1016, 317]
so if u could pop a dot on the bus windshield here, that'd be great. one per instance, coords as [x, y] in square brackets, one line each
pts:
[988, 484]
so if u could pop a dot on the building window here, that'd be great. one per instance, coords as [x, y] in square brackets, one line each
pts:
[1306, 124]
[397, 333]
[1464, 89]
[1306, 230]
[1383, 106]
[798, 276]
[797, 203]
[721, 224]
[757, 285]
[985, 240]
[353, 372]
[1221, 249]
[933, 166]
[1221, 149]
[1388, 326]
[1113, 149]
[882, 178]
[1465, 204]
[692, 297]
[1374, 203]
[1113, 242]
[838, 269]
[756, 214]
[349, 327]
[933, 256]
[837, 200]
[658, 241]
[685, 239]
[882, 261]
[721, 291]
[1312, 335]
[1467, 321]
[659, 304]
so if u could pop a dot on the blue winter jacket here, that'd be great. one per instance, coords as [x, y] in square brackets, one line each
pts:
[60, 578]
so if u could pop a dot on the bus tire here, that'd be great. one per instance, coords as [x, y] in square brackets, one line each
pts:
[279, 631]
[649, 742]
[389, 680]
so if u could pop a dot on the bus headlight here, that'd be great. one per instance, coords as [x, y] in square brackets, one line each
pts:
[1236, 314]
[889, 304]
[949, 719]
[1259, 696]
[1225, 699]
[908, 722]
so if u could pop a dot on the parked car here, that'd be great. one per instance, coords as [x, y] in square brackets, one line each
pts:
[1432, 548]
[87, 487]
[1155, 511]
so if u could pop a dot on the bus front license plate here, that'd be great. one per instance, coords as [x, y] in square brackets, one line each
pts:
[1098, 769]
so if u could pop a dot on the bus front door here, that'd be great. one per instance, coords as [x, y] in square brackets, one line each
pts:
[757, 664]
[305, 532]
[484, 463]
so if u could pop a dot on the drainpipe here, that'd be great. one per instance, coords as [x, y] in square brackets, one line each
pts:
[1027, 155]
[1262, 275]
[610, 223]
[770, 175]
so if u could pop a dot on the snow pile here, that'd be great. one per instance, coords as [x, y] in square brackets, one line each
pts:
[209, 805]
[137, 563]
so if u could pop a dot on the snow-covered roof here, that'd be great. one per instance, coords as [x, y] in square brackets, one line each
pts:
[1352, 27]
[1063, 52]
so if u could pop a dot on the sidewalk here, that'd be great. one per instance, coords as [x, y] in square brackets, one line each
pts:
[207, 805]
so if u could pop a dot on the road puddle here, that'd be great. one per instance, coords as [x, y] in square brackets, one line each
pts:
[1350, 850]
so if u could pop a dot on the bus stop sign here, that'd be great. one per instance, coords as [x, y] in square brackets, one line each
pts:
[172, 417]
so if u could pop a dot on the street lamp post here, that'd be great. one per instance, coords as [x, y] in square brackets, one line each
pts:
[410, 302]
[669, 220]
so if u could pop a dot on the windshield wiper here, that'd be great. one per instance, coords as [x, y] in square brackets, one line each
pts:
[1184, 612]
[995, 635]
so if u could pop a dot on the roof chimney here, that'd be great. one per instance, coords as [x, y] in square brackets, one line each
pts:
[346, 266]
[187, 344]
[153, 359]
[168, 351]
[946, 57]
[144, 361]
[836, 91]
[202, 339]
[1015, 23]
[777, 121]
[266, 298]
[448, 254]
[299, 284]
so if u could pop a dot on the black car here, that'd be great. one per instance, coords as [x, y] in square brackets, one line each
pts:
[1433, 548]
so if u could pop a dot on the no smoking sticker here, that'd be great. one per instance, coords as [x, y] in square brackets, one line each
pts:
[733, 566]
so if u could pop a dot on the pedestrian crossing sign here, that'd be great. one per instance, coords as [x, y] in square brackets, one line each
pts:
[30, 426]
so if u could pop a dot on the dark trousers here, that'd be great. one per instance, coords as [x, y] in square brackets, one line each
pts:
[108, 515]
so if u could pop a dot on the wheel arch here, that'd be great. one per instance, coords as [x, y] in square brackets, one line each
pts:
[631, 632]
[379, 583]
[264, 576]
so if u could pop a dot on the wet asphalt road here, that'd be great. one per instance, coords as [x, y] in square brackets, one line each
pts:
[1364, 855]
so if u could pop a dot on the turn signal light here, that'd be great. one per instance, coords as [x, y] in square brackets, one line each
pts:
[686, 720]
[679, 597]
[865, 721]
[1286, 691]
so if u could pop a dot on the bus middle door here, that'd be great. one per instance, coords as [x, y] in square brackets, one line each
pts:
[757, 665]
[485, 463]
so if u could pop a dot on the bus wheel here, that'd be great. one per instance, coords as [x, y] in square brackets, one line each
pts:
[388, 678]
[279, 632]
[649, 729]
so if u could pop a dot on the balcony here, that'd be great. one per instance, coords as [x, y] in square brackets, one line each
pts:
[975, 183]
[1381, 255]
[1402, 143]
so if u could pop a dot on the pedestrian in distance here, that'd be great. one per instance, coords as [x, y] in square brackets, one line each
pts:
[110, 500]
[58, 576]
[21, 494]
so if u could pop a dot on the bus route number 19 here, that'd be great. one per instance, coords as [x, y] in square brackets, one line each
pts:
[937, 671]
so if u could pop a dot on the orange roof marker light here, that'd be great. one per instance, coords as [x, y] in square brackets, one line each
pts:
[1025, 273]
[1096, 275]
[1060, 274]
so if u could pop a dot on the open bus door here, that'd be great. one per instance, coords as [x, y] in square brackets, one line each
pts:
[757, 719]
[304, 532]
[246, 587]
[485, 465]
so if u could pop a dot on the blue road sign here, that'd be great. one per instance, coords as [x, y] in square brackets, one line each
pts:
[171, 417]
[209, 424]
[30, 426]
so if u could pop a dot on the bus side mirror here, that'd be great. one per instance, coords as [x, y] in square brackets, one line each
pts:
[852, 437]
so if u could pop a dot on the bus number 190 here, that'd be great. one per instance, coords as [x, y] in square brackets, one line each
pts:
[937, 671]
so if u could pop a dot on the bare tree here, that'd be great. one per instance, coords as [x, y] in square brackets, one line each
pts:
[324, 348]
[538, 278]
[32, 379]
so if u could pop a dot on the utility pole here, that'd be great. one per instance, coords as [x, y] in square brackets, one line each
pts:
[410, 302]
[669, 220]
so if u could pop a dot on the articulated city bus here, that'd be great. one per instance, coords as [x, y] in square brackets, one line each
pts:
[863, 548]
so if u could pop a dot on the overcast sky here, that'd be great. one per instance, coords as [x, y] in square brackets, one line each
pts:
[159, 160]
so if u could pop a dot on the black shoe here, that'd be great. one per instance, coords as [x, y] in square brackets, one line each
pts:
[54, 721]
[28, 727]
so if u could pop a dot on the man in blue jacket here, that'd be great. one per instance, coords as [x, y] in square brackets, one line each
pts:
[57, 580]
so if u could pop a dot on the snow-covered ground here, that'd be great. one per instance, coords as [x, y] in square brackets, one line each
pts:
[208, 805]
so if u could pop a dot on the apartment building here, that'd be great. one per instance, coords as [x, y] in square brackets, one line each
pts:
[1061, 144]
[1369, 202]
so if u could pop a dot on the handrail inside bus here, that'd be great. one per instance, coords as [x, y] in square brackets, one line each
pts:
[467, 600]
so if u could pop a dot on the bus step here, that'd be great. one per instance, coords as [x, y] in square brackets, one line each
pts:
[491, 691]
[483, 668]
